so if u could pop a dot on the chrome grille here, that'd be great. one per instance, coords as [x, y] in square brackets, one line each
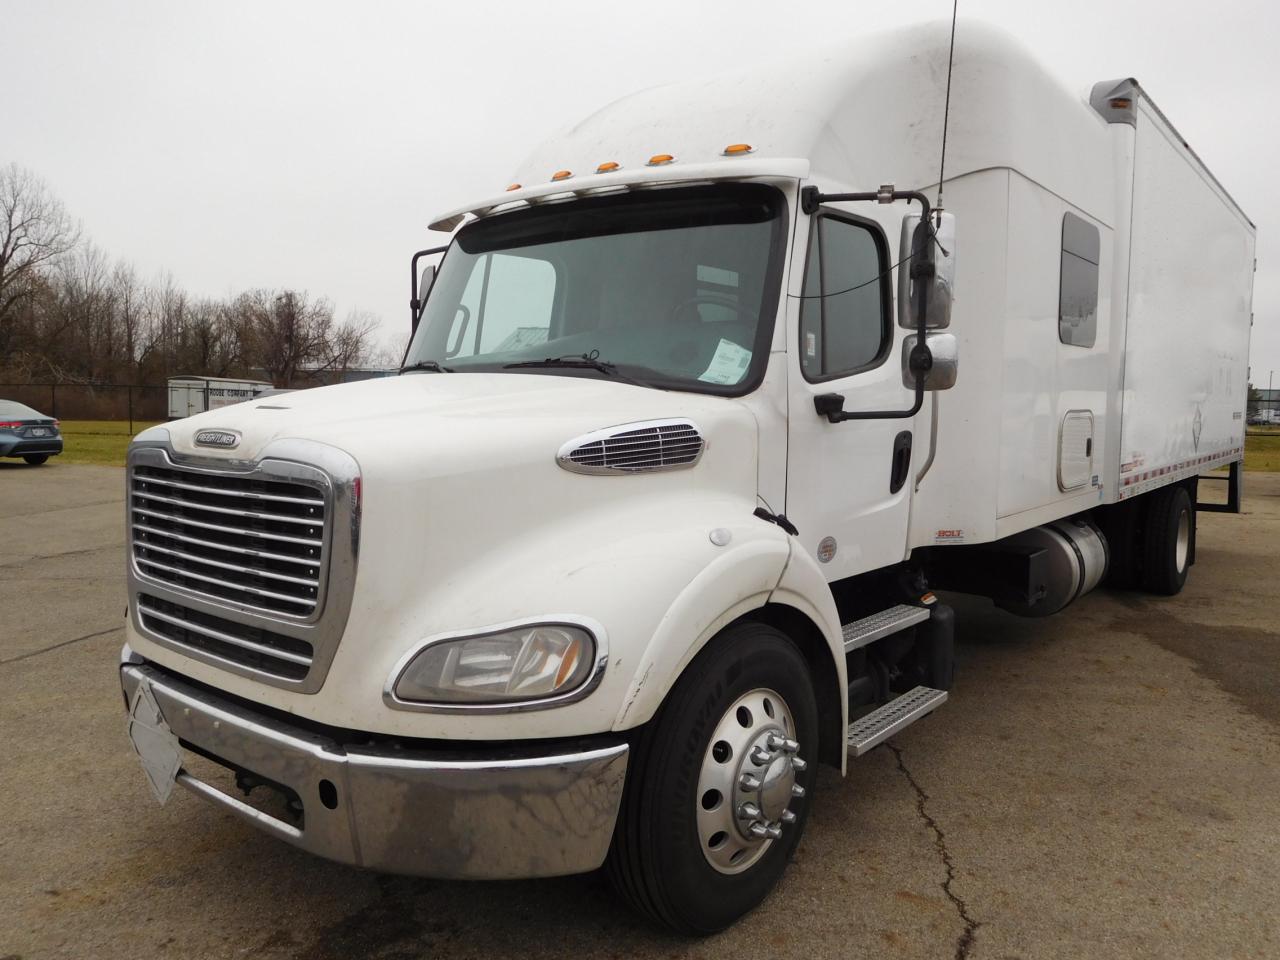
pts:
[632, 448]
[264, 650]
[246, 565]
[246, 541]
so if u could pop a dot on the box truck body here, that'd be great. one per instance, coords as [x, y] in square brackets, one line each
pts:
[695, 415]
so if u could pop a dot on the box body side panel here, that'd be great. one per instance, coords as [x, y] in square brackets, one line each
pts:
[1189, 315]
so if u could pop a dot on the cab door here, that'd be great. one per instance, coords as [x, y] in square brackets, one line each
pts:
[847, 483]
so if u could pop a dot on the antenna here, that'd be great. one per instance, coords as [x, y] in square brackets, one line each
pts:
[946, 111]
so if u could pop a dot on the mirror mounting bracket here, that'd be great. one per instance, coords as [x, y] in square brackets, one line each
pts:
[831, 405]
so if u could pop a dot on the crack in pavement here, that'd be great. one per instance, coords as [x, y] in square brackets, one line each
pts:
[64, 643]
[37, 557]
[25, 515]
[965, 942]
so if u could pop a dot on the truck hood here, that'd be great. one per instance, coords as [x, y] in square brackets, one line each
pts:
[443, 422]
[465, 509]
[467, 522]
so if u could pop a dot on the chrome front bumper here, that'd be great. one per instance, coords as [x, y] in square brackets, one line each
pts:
[524, 814]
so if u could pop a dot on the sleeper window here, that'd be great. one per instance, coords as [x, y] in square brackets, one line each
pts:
[1078, 282]
[844, 318]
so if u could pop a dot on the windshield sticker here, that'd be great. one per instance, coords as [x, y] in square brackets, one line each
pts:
[729, 365]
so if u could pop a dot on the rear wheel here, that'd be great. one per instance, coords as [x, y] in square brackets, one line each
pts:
[1169, 541]
[716, 796]
[35, 459]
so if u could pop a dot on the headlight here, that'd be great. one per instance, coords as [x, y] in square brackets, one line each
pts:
[531, 662]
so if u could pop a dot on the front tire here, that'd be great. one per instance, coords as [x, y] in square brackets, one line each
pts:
[35, 459]
[1169, 541]
[718, 786]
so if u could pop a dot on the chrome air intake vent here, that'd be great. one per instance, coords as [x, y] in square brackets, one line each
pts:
[634, 448]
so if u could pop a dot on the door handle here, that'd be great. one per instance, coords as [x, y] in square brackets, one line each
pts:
[901, 461]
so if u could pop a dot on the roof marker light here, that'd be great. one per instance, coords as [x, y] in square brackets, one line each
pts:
[608, 166]
[659, 159]
[738, 149]
[562, 175]
[514, 186]
[1120, 103]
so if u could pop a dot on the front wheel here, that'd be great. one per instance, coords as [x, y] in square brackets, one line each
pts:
[718, 786]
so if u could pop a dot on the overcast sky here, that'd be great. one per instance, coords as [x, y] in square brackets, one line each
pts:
[241, 144]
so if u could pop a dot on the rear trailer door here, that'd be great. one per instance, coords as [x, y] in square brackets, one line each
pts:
[1189, 310]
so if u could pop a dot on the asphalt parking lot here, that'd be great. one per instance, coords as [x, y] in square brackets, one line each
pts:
[1104, 783]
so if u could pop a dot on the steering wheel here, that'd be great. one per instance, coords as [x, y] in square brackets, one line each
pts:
[716, 298]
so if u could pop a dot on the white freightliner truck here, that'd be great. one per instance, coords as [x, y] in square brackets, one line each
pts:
[646, 529]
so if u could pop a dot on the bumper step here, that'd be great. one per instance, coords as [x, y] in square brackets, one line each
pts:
[872, 628]
[898, 714]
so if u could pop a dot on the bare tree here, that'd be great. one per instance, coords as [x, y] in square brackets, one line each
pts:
[350, 344]
[290, 332]
[34, 230]
[128, 297]
[70, 314]
[391, 352]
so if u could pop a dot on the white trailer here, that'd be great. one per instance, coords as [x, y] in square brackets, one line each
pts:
[695, 416]
[192, 395]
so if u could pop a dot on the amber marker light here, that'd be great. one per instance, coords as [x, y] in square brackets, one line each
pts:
[562, 175]
[570, 661]
[738, 149]
[608, 166]
[1121, 103]
[514, 186]
[658, 159]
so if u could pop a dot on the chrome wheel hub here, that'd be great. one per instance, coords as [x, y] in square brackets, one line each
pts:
[1182, 546]
[747, 783]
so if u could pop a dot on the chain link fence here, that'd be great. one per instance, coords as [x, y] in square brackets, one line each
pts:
[134, 403]
[1264, 408]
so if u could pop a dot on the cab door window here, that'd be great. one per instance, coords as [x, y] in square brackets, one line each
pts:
[845, 315]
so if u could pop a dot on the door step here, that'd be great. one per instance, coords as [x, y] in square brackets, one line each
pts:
[872, 628]
[881, 724]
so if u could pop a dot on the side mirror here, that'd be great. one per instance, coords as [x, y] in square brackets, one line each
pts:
[945, 366]
[419, 287]
[914, 237]
[420, 299]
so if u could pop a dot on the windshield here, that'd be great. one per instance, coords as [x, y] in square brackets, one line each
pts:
[673, 288]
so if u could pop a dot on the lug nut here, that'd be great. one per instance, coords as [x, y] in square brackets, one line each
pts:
[779, 742]
[798, 765]
[788, 817]
[749, 811]
[763, 831]
[761, 757]
[797, 791]
[749, 781]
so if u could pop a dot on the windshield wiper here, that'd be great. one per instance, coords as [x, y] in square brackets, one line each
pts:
[573, 360]
[432, 365]
[578, 361]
